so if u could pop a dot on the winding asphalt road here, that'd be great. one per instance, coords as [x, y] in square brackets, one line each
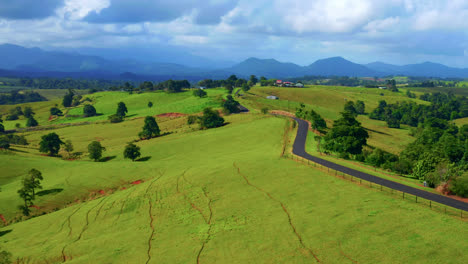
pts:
[299, 150]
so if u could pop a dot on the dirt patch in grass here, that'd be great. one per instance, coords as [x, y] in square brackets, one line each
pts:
[137, 182]
[171, 115]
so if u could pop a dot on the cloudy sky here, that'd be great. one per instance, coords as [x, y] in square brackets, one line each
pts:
[299, 31]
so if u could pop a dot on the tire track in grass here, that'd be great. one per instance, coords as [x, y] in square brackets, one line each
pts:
[346, 256]
[206, 219]
[208, 237]
[291, 224]
[194, 206]
[85, 227]
[150, 211]
[64, 256]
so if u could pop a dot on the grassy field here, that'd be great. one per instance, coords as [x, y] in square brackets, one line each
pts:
[106, 104]
[329, 101]
[219, 196]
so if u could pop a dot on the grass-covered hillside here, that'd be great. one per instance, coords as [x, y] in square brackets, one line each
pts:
[221, 195]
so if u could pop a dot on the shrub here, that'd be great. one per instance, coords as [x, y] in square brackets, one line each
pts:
[55, 111]
[31, 122]
[12, 117]
[210, 119]
[89, 110]
[199, 93]
[265, 110]
[460, 185]
[115, 118]
[192, 119]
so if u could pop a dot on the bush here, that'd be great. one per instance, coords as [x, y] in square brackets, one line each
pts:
[265, 110]
[89, 110]
[231, 106]
[210, 119]
[55, 111]
[4, 144]
[115, 118]
[460, 185]
[12, 117]
[150, 104]
[192, 120]
[31, 122]
[199, 93]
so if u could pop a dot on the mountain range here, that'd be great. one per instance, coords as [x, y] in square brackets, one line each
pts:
[100, 64]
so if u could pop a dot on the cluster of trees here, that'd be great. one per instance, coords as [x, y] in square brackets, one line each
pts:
[65, 83]
[6, 140]
[172, 86]
[19, 97]
[230, 83]
[71, 99]
[230, 105]
[199, 93]
[442, 106]
[28, 113]
[210, 119]
[317, 122]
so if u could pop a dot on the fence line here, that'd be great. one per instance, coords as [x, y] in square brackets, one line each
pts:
[405, 196]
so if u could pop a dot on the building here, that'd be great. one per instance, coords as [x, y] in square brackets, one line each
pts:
[279, 83]
[272, 97]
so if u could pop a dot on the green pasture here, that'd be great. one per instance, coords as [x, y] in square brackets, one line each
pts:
[329, 101]
[222, 195]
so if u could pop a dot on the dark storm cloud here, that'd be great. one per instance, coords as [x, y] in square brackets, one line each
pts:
[28, 9]
[122, 11]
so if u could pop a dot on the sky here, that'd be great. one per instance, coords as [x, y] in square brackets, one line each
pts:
[298, 31]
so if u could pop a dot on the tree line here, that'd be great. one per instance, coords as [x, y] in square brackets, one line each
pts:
[19, 97]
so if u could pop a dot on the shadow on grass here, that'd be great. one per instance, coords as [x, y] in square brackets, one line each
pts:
[106, 159]
[2, 233]
[50, 191]
[127, 116]
[144, 158]
[17, 150]
[375, 131]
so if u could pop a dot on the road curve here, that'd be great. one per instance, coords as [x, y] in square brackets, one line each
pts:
[299, 150]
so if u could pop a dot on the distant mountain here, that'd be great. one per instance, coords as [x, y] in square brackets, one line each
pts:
[274, 69]
[426, 69]
[339, 67]
[266, 67]
[35, 62]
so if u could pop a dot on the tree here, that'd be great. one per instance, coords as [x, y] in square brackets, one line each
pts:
[264, 110]
[347, 135]
[229, 88]
[31, 122]
[68, 146]
[230, 105]
[132, 151]
[95, 150]
[35, 178]
[4, 143]
[245, 87]
[68, 98]
[89, 110]
[121, 109]
[150, 104]
[210, 119]
[360, 107]
[2, 128]
[199, 93]
[460, 185]
[28, 112]
[192, 119]
[316, 121]
[349, 107]
[50, 143]
[28, 191]
[253, 79]
[55, 111]
[150, 129]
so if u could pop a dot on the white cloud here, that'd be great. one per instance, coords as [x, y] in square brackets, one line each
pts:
[387, 24]
[78, 9]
